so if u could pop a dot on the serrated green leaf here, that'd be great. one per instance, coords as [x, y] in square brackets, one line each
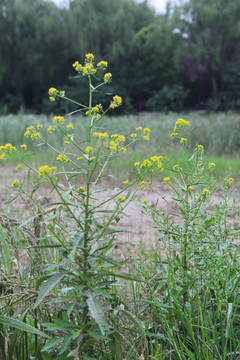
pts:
[48, 286]
[97, 313]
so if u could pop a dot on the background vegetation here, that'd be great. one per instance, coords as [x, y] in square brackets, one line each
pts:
[186, 58]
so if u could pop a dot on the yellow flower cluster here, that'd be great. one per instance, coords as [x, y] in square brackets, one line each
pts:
[155, 163]
[143, 184]
[199, 148]
[101, 136]
[23, 146]
[179, 122]
[15, 183]
[45, 169]
[102, 64]
[7, 147]
[95, 110]
[166, 180]
[183, 141]
[62, 159]
[121, 198]
[32, 133]
[50, 129]
[228, 181]
[144, 135]
[107, 78]
[211, 166]
[53, 92]
[206, 192]
[89, 149]
[58, 120]
[117, 101]
[115, 144]
[88, 67]
[145, 201]
[70, 127]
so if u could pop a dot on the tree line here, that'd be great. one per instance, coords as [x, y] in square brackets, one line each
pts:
[188, 57]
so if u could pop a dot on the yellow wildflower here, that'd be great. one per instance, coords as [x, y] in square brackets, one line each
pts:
[39, 126]
[137, 163]
[89, 57]
[145, 201]
[121, 198]
[143, 184]
[107, 78]
[80, 158]
[15, 183]
[70, 127]
[177, 168]
[183, 140]
[19, 167]
[181, 122]
[206, 192]
[146, 163]
[2, 156]
[199, 148]
[117, 101]
[139, 128]
[81, 188]
[62, 158]
[89, 149]
[45, 169]
[173, 135]
[133, 136]
[146, 131]
[190, 188]
[211, 166]
[58, 119]
[102, 64]
[166, 180]
[125, 182]
[50, 129]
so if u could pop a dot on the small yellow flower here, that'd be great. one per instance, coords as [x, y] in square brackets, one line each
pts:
[213, 217]
[133, 136]
[146, 137]
[89, 57]
[58, 119]
[92, 158]
[173, 135]
[66, 142]
[23, 146]
[117, 101]
[146, 163]
[2, 156]
[15, 183]
[181, 122]
[146, 131]
[190, 188]
[81, 189]
[121, 138]
[143, 184]
[102, 64]
[199, 148]
[62, 93]
[39, 126]
[211, 166]
[80, 158]
[45, 169]
[139, 128]
[19, 167]
[166, 180]
[62, 158]
[107, 78]
[50, 129]
[70, 127]
[137, 163]
[121, 198]
[125, 182]
[228, 181]
[183, 141]
[89, 149]
[145, 201]
[206, 192]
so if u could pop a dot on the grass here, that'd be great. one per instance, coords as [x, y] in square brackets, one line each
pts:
[217, 132]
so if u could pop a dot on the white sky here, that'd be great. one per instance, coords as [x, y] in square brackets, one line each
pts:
[159, 5]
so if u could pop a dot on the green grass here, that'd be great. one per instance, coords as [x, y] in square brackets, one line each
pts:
[217, 132]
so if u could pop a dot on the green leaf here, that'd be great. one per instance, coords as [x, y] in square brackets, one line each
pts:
[126, 276]
[48, 286]
[5, 251]
[109, 260]
[51, 343]
[116, 345]
[5, 320]
[97, 313]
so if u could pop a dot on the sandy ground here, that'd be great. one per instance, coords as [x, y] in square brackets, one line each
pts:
[140, 225]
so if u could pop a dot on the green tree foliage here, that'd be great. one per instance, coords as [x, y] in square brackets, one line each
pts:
[186, 57]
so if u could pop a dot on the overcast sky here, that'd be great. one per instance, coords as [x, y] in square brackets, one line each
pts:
[158, 4]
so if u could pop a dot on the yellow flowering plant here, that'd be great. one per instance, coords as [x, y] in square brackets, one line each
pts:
[81, 228]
